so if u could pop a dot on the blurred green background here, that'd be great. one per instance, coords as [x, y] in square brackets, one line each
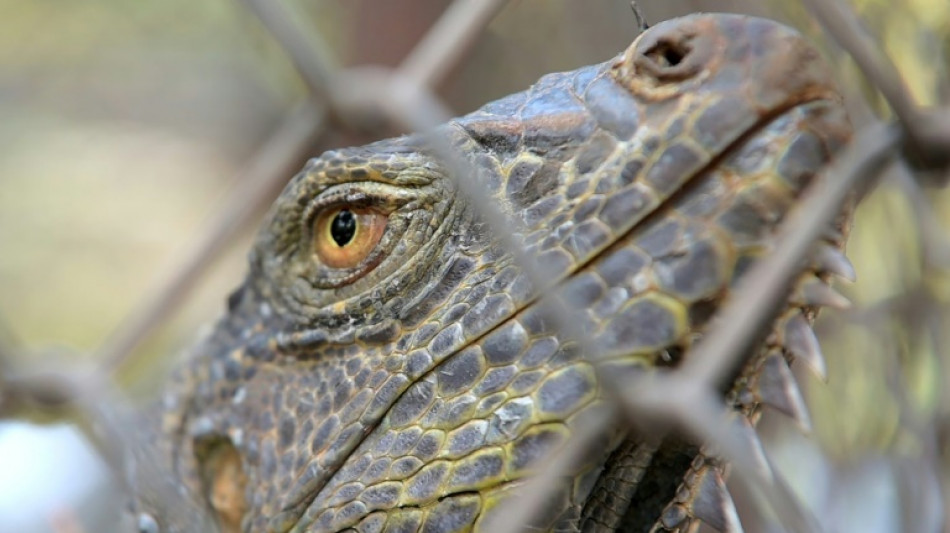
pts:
[123, 123]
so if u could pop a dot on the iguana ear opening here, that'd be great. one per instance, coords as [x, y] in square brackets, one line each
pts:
[223, 482]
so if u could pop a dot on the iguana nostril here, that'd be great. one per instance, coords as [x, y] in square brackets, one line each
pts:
[670, 58]
[668, 54]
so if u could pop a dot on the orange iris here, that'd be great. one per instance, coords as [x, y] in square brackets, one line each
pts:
[345, 236]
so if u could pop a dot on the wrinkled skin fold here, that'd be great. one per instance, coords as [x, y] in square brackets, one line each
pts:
[418, 389]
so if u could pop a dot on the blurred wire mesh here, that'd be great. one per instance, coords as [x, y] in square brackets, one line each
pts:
[142, 142]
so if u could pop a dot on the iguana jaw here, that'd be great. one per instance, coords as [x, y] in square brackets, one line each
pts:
[761, 148]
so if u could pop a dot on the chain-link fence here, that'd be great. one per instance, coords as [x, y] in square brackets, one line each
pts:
[910, 150]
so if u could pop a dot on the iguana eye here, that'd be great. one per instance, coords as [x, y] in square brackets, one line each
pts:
[345, 236]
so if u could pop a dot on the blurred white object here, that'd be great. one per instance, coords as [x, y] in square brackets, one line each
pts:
[49, 475]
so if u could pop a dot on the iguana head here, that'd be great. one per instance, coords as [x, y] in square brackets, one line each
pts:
[385, 366]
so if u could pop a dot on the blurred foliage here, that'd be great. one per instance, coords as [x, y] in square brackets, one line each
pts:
[888, 366]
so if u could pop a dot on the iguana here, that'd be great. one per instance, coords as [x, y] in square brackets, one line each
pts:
[385, 366]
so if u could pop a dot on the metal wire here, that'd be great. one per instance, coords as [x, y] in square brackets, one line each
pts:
[405, 96]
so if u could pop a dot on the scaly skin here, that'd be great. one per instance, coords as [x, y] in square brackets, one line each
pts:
[419, 390]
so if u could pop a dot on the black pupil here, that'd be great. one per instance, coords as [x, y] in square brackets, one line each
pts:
[343, 227]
